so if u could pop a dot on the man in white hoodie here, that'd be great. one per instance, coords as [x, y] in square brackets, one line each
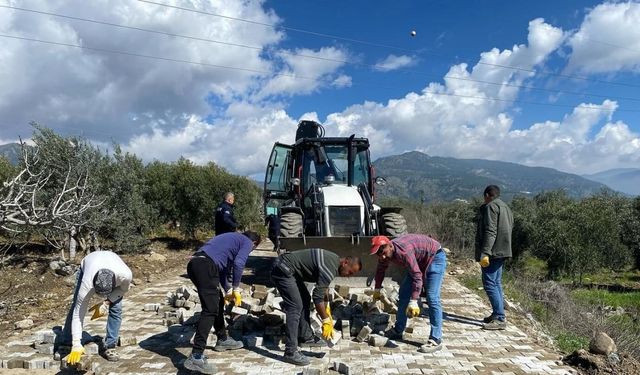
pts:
[103, 273]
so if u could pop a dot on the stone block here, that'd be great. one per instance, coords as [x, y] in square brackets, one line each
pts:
[179, 303]
[377, 340]
[151, 307]
[260, 295]
[127, 340]
[341, 367]
[239, 311]
[252, 340]
[276, 303]
[14, 363]
[44, 337]
[23, 324]
[44, 348]
[364, 333]
[189, 304]
[91, 348]
[335, 339]
[311, 371]
[343, 290]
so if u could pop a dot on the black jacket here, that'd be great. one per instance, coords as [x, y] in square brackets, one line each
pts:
[224, 220]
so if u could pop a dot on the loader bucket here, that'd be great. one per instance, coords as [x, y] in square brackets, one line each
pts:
[345, 246]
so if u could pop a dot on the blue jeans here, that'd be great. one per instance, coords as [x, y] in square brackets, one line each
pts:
[432, 283]
[113, 321]
[492, 283]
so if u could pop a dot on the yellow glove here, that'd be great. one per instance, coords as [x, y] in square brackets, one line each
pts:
[234, 296]
[99, 310]
[327, 328]
[413, 310]
[377, 294]
[74, 356]
[484, 262]
[328, 310]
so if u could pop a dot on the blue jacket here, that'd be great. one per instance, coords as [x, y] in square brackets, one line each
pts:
[229, 251]
[224, 220]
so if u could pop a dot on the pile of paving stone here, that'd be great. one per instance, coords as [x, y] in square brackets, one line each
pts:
[261, 318]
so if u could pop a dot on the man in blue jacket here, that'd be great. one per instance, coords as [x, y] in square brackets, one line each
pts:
[207, 269]
[224, 220]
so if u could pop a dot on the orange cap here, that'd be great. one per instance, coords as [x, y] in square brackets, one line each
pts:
[378, 241]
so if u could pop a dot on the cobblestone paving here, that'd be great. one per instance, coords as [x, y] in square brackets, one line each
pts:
[467, 349]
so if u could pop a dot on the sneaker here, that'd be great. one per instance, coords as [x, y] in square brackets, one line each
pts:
[495, 325]
[111, 355]
[488, 319]
[431, 346]
[200, 365]
[312, 342]
[296, 358]
[227, 344]
[392, 334]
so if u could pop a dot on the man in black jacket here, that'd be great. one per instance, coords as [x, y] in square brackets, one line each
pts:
[224, 219]
[290, 272]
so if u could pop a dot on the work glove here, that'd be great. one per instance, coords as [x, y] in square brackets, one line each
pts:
[327, 309]
[377, 294]
[327, 328]
[484, 261]
[234, 296]
[74, 356]
[99, 310]
[413, 310]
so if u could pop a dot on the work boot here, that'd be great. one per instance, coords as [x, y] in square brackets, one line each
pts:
[312, 342]
[199, 363]
[495, 325]
[227, 343]
[392, 334]
[296, 358]
[431, 346]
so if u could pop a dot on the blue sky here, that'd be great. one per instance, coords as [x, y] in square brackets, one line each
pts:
[481, 79]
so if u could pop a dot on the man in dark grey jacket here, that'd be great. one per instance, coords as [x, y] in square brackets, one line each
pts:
[493, 246]
[290, 272]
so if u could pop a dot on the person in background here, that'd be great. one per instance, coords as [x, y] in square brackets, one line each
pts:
[224, 220]
[493, 247]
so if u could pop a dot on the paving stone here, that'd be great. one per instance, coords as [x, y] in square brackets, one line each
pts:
[364, 334]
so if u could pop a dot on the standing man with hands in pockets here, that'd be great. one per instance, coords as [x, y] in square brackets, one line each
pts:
[493, 246]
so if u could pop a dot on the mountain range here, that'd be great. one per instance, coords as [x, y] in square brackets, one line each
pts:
[415, 175]
[626, 180]
[11, 151]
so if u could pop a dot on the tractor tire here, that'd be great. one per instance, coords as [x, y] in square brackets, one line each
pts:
[291, 225]
[394, 224]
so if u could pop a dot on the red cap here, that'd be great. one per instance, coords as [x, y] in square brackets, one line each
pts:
[378, 241]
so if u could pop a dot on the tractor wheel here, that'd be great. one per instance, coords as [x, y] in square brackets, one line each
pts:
[394, 224]
[291, 224]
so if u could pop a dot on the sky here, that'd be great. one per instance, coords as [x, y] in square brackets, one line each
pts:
[540, 83]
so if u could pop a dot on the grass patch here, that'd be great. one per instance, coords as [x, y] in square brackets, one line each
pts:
[568, 342]
[626, 300]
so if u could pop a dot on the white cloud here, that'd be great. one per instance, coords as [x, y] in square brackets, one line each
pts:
[608, 39]
[98, 94]
[304, 71]
[393, 62]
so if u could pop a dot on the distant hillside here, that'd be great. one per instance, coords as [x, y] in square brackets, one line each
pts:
[12, 152]
[415, 175]
[626, 180]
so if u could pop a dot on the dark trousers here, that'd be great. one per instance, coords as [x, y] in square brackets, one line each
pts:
[296, 304]
[204, 274]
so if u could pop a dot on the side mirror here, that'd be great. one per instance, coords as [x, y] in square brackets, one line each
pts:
[380, 181]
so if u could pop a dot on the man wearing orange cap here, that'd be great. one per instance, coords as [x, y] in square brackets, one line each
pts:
[426, 263]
